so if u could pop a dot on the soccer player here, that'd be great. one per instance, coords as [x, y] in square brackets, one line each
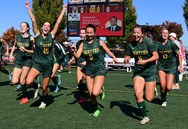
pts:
[80, 70]
[23, 58]
[43, 53]
[59, 54]
[95, 69]
[145, 53]
[3, 42]
[167, 65]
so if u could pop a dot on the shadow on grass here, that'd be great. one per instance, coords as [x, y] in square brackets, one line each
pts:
[50, 100]
[127, 109]
[52, 88]
[157, 101]
[5, 83]
[129, 86]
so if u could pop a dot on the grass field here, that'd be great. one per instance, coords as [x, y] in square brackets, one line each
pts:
[119, 108]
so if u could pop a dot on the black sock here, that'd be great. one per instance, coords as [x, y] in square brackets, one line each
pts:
[81, 90]
[24, 91]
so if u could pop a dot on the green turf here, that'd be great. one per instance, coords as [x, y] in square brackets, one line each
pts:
[118, 109]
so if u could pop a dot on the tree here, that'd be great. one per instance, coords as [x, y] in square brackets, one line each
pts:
[154, 32]
[9, 35]
[48, 10]
[129, 22]
[185, 9]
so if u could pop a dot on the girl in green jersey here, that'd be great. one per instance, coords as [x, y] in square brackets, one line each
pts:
[168, 52]
[144, 77]
[43, 52]
[95, 69]
[23, 58]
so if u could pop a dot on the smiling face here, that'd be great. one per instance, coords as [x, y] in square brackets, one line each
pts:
[24, 28]
[90, 33]
[137, 33]
[46, 28]
[82, 34]
[165, 34]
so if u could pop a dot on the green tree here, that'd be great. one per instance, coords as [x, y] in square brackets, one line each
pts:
[48, 10]
[154, 31]
[129, 22]
[185, 9]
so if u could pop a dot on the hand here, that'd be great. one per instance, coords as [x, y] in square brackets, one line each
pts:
[142, 62]
[22, 48]
[115, 59]
[126, 60]
[6, 54]
[83, 63]
[64, 7]
[27, 4]
[11, 59]
[73, 48]
[181, 69]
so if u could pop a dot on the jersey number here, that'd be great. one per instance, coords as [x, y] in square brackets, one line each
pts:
[139, 58]
[165, 56]
[46, 51]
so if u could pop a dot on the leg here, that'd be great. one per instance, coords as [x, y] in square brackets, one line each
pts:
[163, 82]
[23, 76]
[33, 73]
[16, 75]
[56, 79]
[79, 77]
[139, 83]
[45, 83]
[149, 90]
[97, 85]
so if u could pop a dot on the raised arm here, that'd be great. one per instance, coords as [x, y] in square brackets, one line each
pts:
[53, 32]
[78, 53]
[107, 50]
[7, 46]
[33, 20]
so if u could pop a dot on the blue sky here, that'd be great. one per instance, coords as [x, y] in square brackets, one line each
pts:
[154, 12]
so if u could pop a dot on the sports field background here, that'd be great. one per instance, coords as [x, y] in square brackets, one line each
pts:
[119, 109]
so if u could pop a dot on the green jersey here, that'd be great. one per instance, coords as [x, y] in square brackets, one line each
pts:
[94, 58]
[43, 52]
[21, 56]
[167, 55]
[81, 58]
[142, 51]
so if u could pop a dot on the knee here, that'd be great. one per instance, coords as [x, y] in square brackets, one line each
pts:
[14, 82]
[150, 99]
[139, 97]
[22, 82]
[29, 82]
[94, 93]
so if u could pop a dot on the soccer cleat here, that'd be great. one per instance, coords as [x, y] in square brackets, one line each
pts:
[144, 121]
[96, 113]
[57, 88]
[164, 104]
[18, 88]
[59, 79]
[24, 100]
[42, 105]
[102, 95]
[82, 100]
[36, 93]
